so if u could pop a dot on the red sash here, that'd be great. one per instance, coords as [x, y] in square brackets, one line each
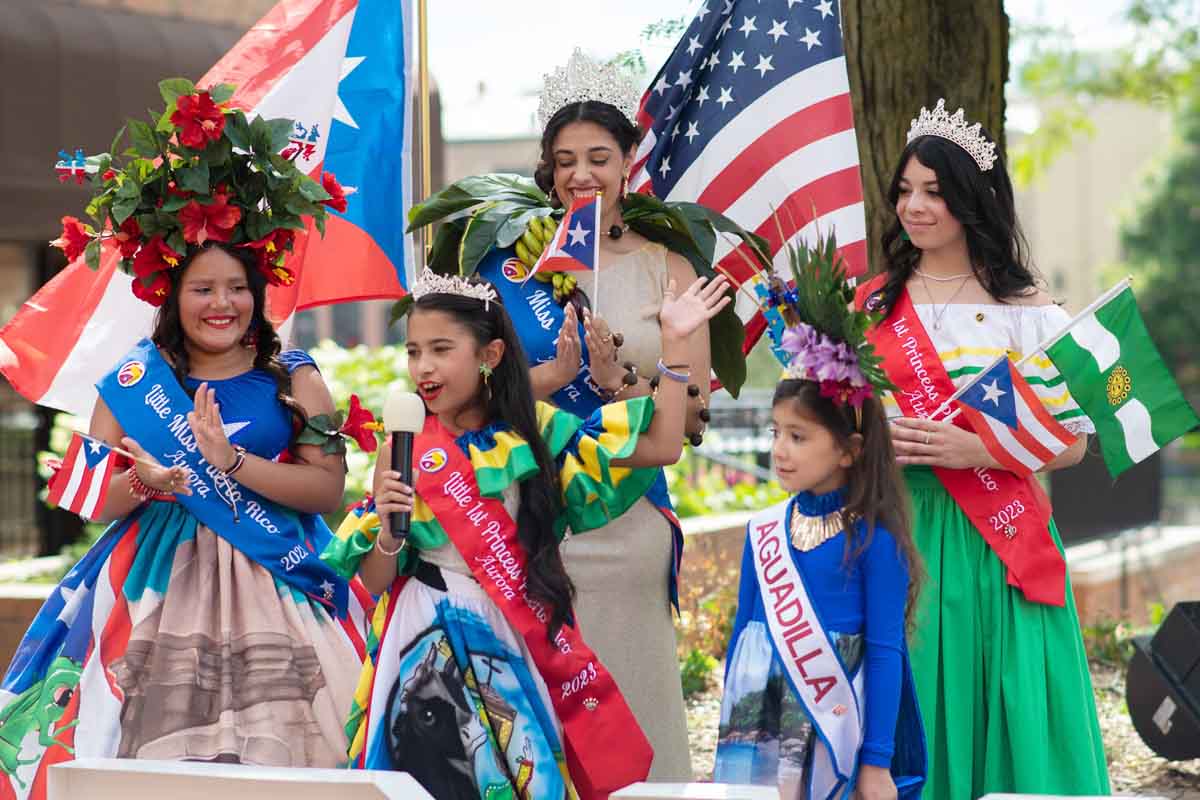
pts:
[1012, 514]
[605, 748]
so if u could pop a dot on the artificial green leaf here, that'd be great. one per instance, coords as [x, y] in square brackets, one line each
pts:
[260, 139]
[280, 133]
[142, 137]
[479, 237]
[117, 139]
[400, 308]
[222, 92]
[443, 254]
[257, 225]
[238, 130]
[193, 179]
[91, 254]
[319, 223]
[311, 190]
[172, 88]
[217, 153]
[175, 241]
[174, 202]
[123, 208]
[514, 227]
[164, 124]
[445, 203]
[726, 335]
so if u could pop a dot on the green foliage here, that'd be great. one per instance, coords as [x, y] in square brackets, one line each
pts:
[714, 489]
[696, 672]
[1160, 244]
[369, 373]
[1109, 641]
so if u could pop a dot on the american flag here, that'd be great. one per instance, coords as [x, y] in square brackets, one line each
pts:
[81, 484]
[751, 115]
[1010, 419]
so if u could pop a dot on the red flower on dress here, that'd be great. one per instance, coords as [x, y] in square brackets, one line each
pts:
[199, 120]
[129, 237]
[153, 289]
[337, 195]
[357, 427]
[214, 221]
[154, 257]
[74, 240]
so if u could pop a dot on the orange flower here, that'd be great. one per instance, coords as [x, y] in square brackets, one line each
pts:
[214, 221]
[74, 240]
[199, 120]
[155, 256]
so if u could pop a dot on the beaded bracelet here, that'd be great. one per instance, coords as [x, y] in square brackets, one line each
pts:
[138, 489]
[239, 459]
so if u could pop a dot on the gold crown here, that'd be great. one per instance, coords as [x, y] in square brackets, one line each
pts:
[955, 129]
[430, 282]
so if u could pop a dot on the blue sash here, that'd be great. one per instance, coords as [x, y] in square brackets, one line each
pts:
[537, 318]
[151, 407]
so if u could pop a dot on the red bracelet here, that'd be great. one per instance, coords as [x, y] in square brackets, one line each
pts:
[139, 489]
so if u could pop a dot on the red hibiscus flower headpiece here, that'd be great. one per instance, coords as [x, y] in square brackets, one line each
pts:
[204, 173]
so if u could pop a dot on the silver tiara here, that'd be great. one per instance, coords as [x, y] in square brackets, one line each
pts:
[955, 129]
[583, 79]
[430, 282]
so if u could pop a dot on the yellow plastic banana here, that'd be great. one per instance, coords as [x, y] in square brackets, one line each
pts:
[535, 230]
[549, 226]
[532, 243]
[524, 255]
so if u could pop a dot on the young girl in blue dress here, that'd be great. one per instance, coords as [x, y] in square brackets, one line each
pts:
[818, 693]
[480, 683]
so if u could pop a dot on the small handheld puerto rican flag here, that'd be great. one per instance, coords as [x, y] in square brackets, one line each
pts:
[1010, 419]
[576, 243]
[81, 485]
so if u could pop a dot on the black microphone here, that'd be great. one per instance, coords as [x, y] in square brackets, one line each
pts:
[403, 417]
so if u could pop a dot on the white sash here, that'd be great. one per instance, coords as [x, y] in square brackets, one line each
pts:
[809, 657]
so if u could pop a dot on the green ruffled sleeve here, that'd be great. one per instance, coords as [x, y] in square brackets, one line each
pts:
[594, 491]
[356, 536]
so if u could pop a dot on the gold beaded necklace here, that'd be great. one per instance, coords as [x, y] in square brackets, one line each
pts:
[809, 533]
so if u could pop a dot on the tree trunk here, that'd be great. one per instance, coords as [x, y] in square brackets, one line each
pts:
[905, 54]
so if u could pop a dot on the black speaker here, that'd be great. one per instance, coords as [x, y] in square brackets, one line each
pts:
[1162, 686]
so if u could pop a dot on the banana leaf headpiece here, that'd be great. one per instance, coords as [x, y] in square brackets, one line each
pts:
[487, 211]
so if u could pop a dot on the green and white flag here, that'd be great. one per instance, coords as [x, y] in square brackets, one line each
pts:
[1116, 375]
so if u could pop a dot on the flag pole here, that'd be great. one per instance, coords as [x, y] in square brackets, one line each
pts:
[596, 257]
[1121, 286]
[426, 243]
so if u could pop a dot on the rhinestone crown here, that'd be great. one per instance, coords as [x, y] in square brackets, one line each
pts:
[430, 282]
[954, 128]
[583, 79]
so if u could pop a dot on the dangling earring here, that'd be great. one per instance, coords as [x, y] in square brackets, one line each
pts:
[554, 202]
[904, 236]
[486, 371]
[624, 187]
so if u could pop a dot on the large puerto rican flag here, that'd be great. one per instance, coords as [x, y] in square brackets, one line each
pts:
[751, 117]
[342, 70]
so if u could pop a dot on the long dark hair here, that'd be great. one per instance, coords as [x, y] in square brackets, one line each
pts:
[168, 332]
[605, 115]
[875, 491]
[508, 397]
[982, 202]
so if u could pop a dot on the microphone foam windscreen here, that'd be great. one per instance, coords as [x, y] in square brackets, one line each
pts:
[403, 411]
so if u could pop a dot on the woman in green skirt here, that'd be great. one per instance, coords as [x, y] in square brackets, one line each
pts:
[1001, 673]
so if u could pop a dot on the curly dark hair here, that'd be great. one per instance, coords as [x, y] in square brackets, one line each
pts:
[169, 336]
[982, 202]
[607, 116]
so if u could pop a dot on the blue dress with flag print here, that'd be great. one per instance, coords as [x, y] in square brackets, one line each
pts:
[765, 735]
[164, 641]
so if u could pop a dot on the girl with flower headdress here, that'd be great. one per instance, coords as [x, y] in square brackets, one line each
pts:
[481, 682]
[201, 625]
[999, 661]
[818, 695]
[629, 568]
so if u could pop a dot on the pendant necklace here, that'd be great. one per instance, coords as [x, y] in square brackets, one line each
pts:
[937, 315]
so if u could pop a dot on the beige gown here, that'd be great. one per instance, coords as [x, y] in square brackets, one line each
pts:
[621, 570]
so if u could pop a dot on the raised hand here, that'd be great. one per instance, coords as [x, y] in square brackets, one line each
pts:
[602, 346]
[209, 429]
[568, 353]
[168, 480]
[682, 315]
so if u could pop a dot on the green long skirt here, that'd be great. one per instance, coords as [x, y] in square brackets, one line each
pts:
[1003, 683]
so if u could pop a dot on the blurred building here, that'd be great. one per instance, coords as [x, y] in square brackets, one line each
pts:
[1072, 212]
